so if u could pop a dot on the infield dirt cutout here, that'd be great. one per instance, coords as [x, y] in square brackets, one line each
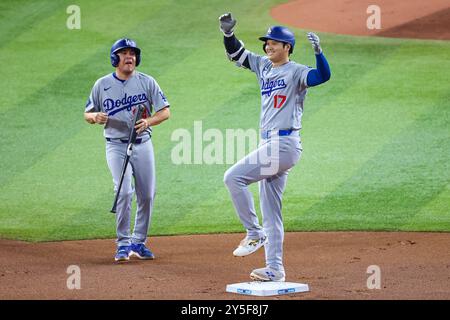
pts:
[400, 19]
[333, 264]
[413, 265]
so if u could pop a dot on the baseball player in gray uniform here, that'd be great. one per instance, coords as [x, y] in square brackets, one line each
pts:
[113, 102]
[283, 87]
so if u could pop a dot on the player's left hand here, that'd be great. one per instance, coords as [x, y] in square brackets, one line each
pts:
[141, 125]
[315, 42]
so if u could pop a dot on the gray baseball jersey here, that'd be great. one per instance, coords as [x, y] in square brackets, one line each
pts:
[283, 90]
[116, 98]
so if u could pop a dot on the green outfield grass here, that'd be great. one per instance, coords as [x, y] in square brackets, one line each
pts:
[376, 137]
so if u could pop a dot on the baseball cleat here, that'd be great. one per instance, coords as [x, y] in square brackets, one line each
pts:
[122, 254]
[248, 246]
[267, 274]
[141, 251]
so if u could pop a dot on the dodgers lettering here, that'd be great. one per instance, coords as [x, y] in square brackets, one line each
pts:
[267, 87]
[112, 107]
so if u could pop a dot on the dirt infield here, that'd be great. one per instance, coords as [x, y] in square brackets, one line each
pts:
[400, 19]
[333, 264]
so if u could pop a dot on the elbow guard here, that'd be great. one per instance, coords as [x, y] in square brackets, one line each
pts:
[239, 56]
[233, 56]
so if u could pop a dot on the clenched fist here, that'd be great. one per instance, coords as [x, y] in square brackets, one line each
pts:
[227, 23]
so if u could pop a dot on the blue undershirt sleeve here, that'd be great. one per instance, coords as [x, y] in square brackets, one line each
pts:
[321, 74]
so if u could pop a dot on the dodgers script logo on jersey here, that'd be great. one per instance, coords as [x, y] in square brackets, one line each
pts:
[113, 106]
[267, 87]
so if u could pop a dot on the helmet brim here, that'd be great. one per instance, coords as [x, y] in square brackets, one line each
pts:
[265, 38]
[269, 38]
[136, 49]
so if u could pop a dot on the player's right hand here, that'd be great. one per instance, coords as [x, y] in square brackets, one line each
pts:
[227, 23]
[100, 118]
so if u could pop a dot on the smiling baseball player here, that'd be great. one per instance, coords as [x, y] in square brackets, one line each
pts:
[113, 102]
[283, 87]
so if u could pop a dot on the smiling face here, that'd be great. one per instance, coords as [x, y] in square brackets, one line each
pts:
[127, 62]
[277, 52]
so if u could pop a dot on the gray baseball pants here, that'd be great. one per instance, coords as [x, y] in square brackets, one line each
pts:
[141, 167]
[269, 165]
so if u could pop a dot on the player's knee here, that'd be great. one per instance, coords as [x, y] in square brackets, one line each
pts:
[128, 194]
[148, 198]
[230, 179]
[227, 178]
[125, 191]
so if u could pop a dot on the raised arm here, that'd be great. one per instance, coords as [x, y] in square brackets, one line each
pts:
[322, 73]
[234, 48]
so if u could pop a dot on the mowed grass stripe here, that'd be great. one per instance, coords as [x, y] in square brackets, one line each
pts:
[18, 17]
[393, 112]
[341, 138]
[55, 110]
[435, 215]
[391, 188]
[49, 49]
[64, 200]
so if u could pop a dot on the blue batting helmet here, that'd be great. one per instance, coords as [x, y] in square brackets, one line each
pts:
[279, 33]
[122, 44]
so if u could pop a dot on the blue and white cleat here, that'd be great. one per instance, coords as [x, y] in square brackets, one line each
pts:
[141, 251]
[122, 254]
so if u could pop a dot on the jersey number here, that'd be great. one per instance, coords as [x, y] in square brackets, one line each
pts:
[278, 101]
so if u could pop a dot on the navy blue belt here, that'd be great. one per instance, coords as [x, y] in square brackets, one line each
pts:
[138, 140]
[265, 134]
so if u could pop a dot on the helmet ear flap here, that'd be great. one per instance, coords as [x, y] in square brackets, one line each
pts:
[138, 58]
[115, 59]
